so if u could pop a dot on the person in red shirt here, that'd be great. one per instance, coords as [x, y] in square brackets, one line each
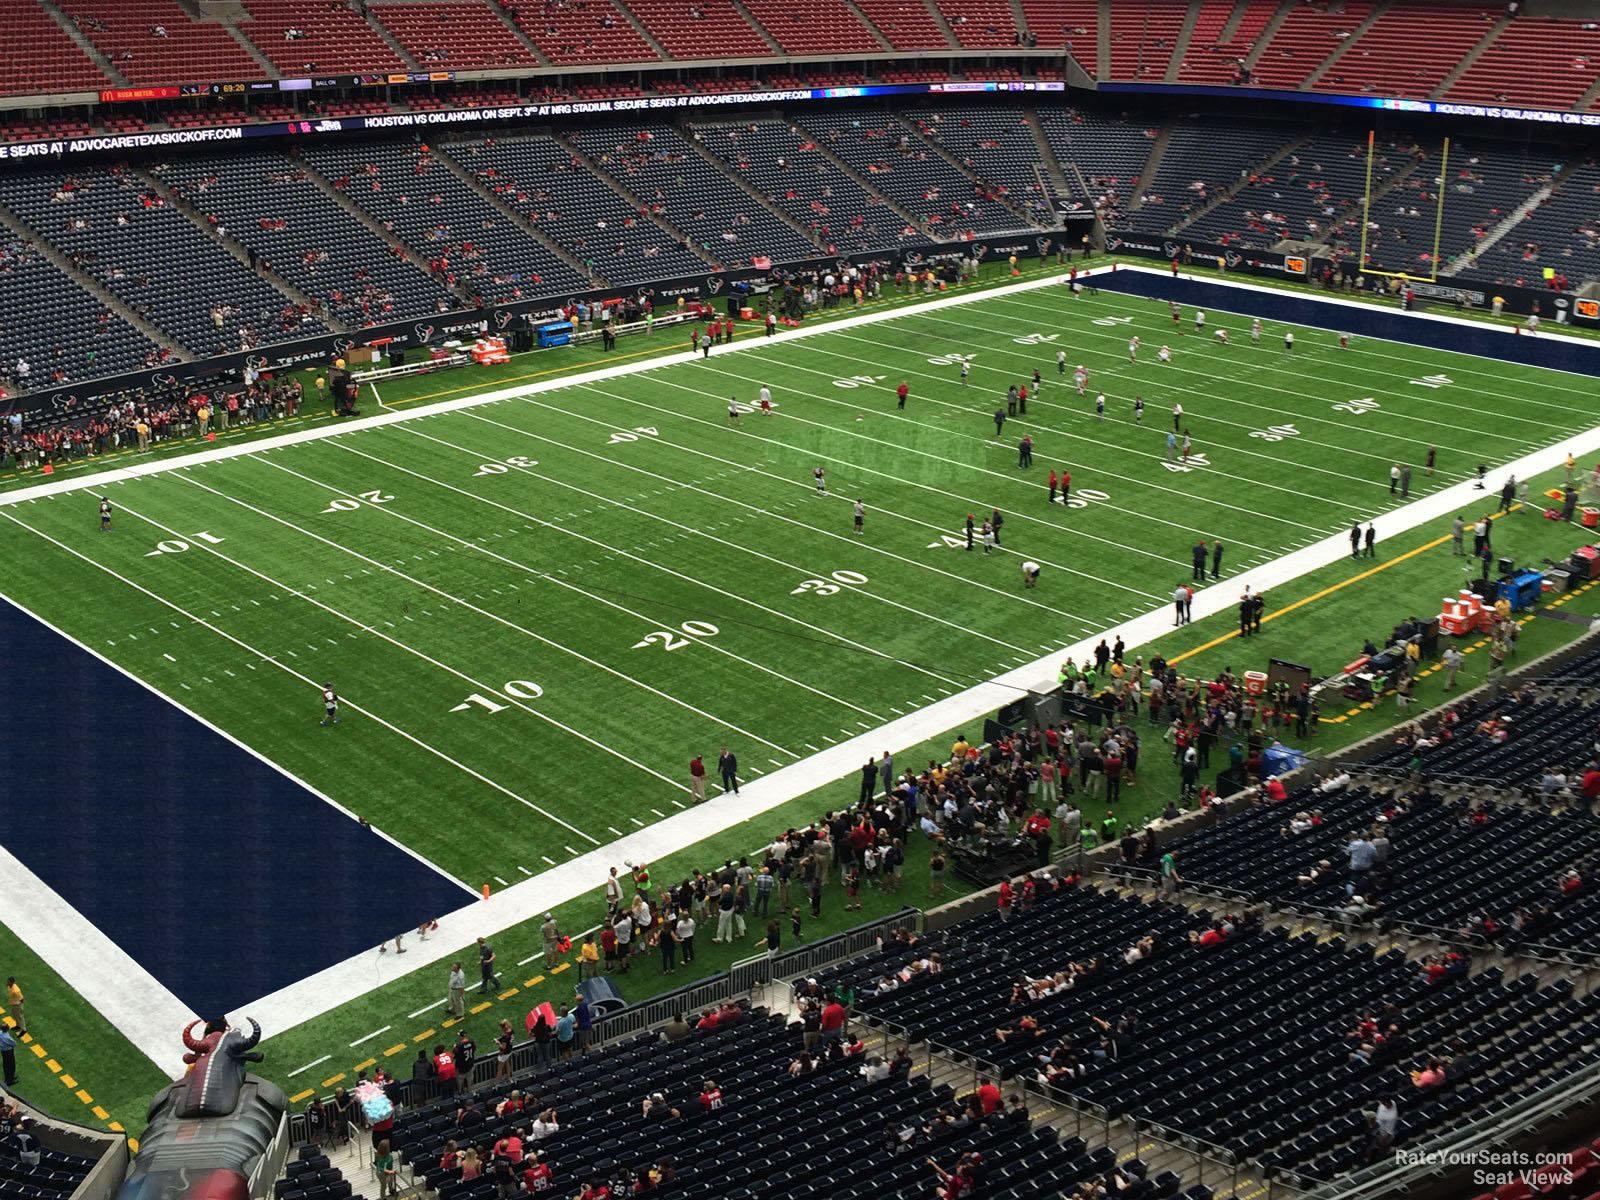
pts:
[833, 1018]
[694, 338]
[594, 1190]
[1591, 784]
[710, 1096]
[509, 1148]
[901, 393]
[727, 330]
[1054, 483]
[536, 1177]
[1003, 899]
[444, 1070]
[988, 1095]
[1276, 792]
[1066, 485]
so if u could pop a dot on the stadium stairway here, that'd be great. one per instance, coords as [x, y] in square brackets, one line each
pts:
[83, 43]
[1468, 262]
[1158, 151]
[321, 182]
[1226, 194]
[1344, 47]
[738, 182]
[1052, 166]
[89, 284]
[861, 180]
[639, 205]
[464, 173]
[237, 250]
[1007, 201]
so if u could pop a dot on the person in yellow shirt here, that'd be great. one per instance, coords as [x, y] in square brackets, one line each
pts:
[203, 415]
[959, 750]
[14, 1003]
[588, 958]
[143, 431]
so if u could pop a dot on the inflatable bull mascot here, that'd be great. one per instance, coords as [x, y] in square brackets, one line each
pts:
[209, 1132]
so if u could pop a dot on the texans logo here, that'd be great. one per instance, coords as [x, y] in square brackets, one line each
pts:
[1042, 244]
[1113, 243]
[63, 400]
[1170, 249]
[502, 319]
[713, 284]
[646, 293]
[913, 257]
[164, 381]
[1233, 259]
[423, 332]
[980, 251]
[256, 362]
[342, 346]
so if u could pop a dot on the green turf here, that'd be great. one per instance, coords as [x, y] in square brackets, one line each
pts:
[93, 1058]
[543, 541]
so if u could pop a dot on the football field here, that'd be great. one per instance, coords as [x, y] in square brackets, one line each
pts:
[538, 605]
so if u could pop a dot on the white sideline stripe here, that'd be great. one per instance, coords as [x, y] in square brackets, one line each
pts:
[621, 370]
[367, 1037]
[141, 1008]
[427, 1008]
[346, 981]
[146, 1013]
[94, 966]
[316, 1062]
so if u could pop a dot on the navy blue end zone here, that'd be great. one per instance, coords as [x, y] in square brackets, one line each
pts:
[222, 877]
[1359, 319]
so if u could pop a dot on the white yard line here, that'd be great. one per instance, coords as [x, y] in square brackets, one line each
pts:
[308, 680]
[367, 1037]
[316, 1062]
[801, 572]
[483, 612]
[584, 874]
[145, 1013]
[801, 485]
[101, 479]
[1273, 360]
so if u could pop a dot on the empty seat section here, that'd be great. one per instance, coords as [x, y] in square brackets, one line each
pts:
[1200, 162]
[1542, 62]
[998, 145]
[794, 176]
[980, 24]
[595, 31]
[152, 257]
[1217, 53]
[655, 163]
[454, 229]
[62, 332]
[906, 23]
[1306, 37]
[541, 180]
[914, 177]
[453, 35]
[53, 62]
[700, 29]
[268, 204]
[308, 37]
[813, 26]
[156, 41]
[1409, 50]
[1143, 36]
